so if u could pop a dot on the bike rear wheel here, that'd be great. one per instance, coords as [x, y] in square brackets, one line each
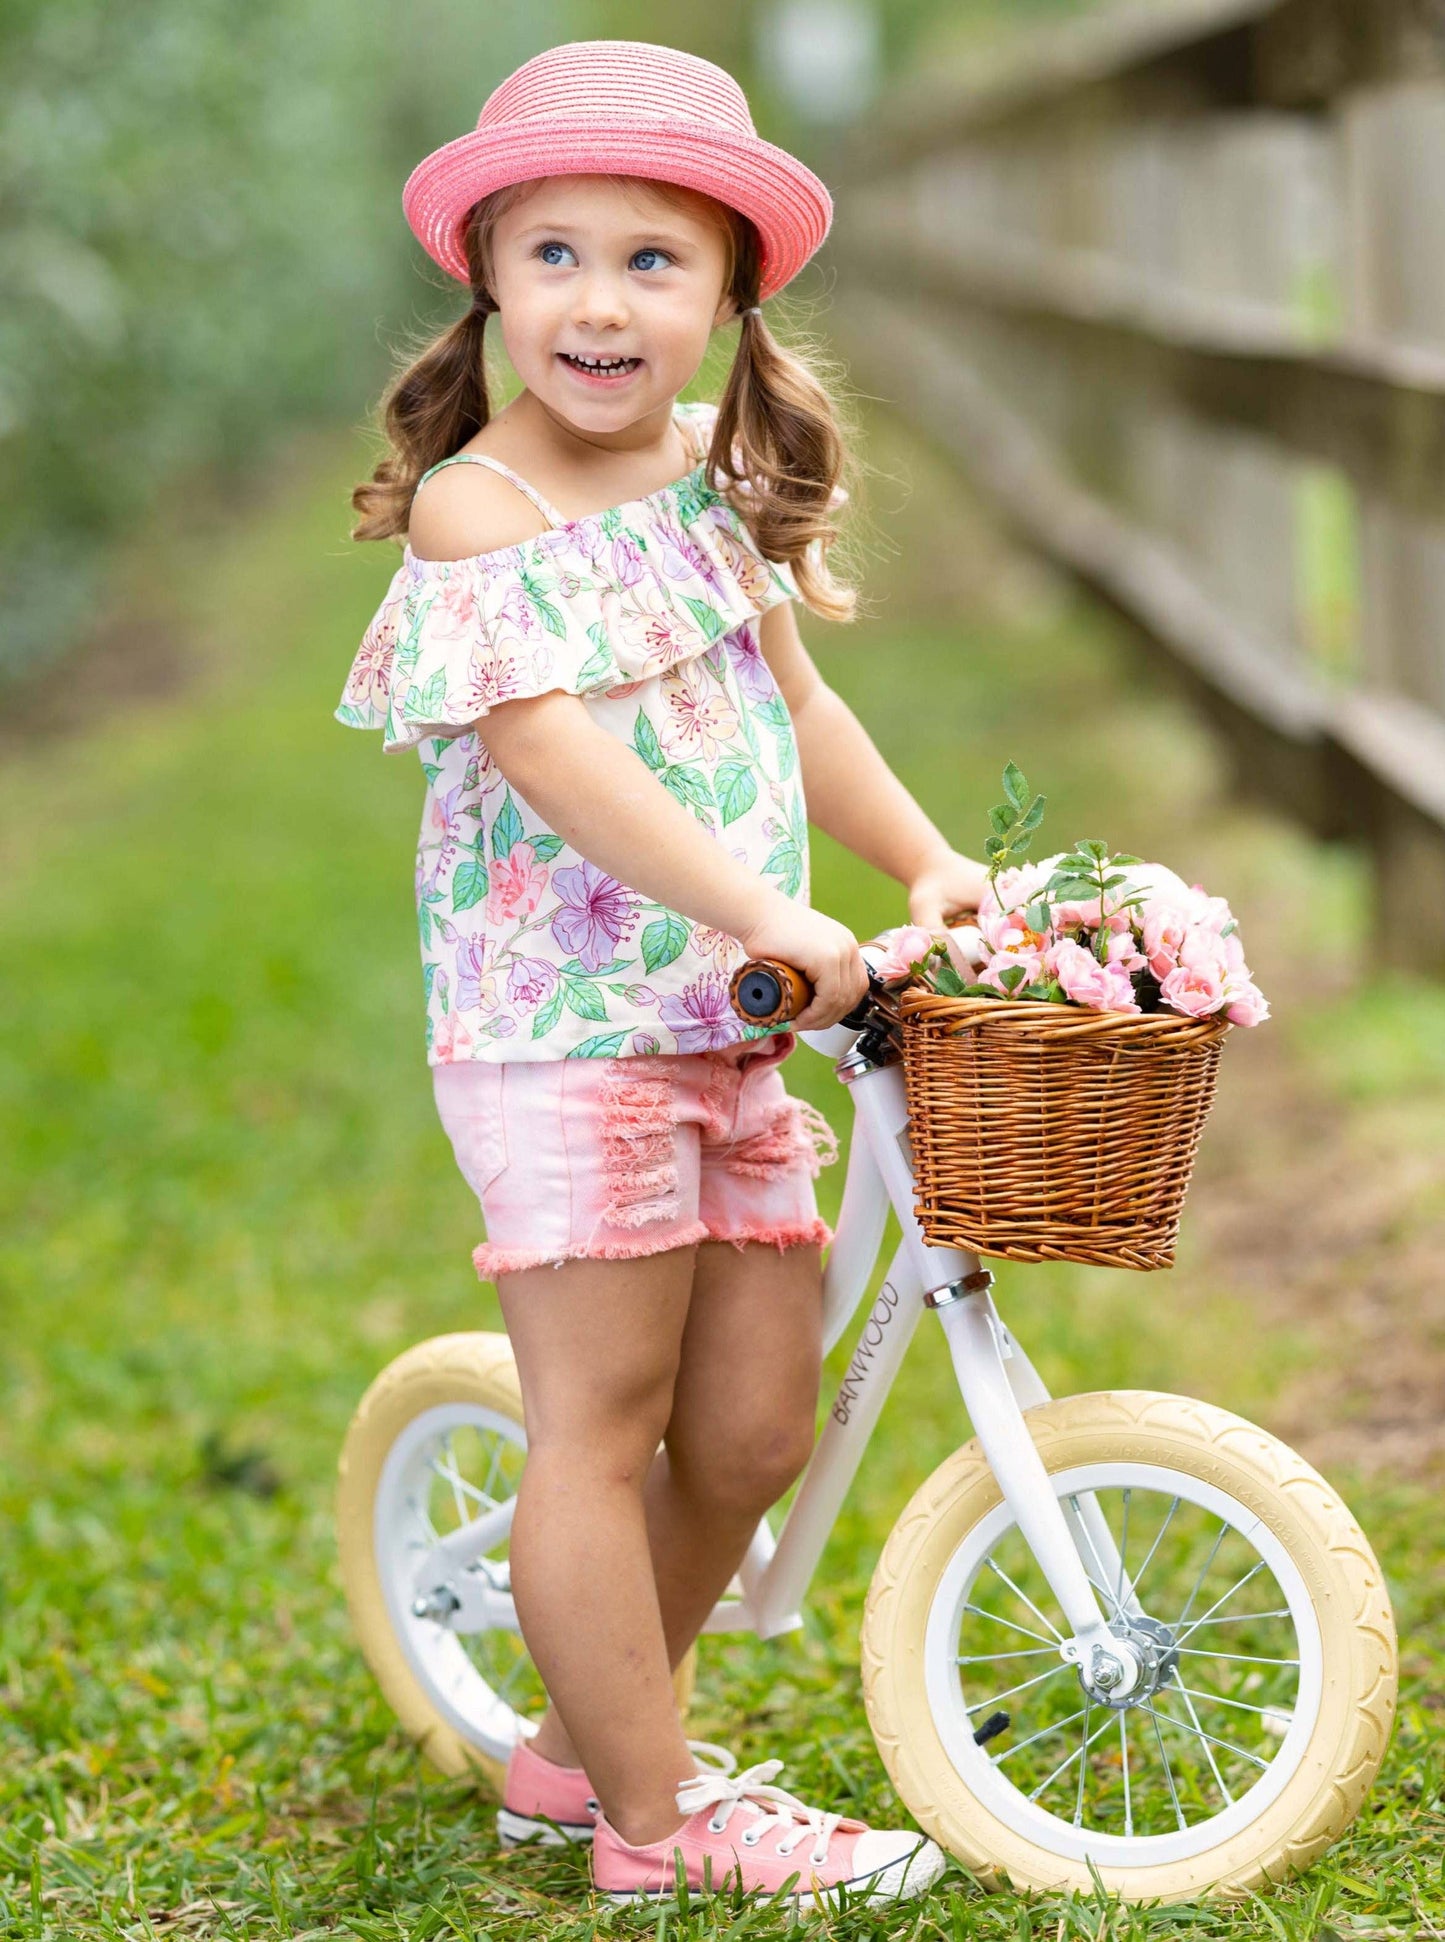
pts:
[1249, 1592]
[438, 1440]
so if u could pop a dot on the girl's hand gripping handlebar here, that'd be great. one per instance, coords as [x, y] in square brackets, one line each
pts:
[767, 992]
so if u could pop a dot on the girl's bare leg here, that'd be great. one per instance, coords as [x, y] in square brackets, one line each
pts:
[598, 1346]
[743, 1421]
[740, 1429]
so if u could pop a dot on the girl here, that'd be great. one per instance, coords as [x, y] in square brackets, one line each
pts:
[590, 644]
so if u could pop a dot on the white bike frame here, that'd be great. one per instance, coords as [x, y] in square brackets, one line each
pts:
[996, 1379]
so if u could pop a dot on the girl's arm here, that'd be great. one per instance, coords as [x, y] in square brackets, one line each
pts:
[853, 794]
[603, 799]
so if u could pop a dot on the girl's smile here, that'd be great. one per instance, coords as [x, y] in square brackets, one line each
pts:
[599, 371]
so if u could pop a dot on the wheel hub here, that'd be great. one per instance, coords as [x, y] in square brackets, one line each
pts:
[1147, 1661]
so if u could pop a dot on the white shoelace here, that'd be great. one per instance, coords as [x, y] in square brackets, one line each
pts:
[726, 1792]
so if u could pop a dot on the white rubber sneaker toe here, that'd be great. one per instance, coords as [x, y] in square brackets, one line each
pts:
[907, 1863]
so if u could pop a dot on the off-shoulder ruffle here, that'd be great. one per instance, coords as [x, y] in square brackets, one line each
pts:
[585, 608]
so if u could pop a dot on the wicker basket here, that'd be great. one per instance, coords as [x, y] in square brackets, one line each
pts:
[1047, 1133]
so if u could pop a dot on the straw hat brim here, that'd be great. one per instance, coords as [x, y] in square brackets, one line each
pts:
[787, 203]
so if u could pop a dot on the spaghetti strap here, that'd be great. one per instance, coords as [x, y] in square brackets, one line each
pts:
[682, 417]
[548, 512]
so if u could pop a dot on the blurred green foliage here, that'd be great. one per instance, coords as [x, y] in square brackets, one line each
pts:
[203, 240]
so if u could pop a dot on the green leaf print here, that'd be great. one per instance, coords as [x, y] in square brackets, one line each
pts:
[430, 771]
[507, 830]
[785, 862]
[787, 754]
[433, 694]
[573, 968]
[737, 790]
[644, 740]
[689, 785]
[547, 1017]
[708, 618]
[353, 717]
[423, 924]
[429, 976]
[581, 996]
[601, 664]
[551, 616]
[774, 711]
[544, 848]
[469, 884]
[606, 1045]
[664, 941]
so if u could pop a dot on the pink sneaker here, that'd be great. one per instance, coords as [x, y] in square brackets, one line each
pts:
[554, 1805]
[748, 1839]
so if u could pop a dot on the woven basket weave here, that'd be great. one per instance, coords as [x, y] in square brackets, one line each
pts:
[1048, 1133]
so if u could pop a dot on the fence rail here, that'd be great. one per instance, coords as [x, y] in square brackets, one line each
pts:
[1172, 286]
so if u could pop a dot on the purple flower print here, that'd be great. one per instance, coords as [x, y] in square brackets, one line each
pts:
[682, 556]
[746, 655]
[701, 1015]
[531, 982]
[476, 974]
[597, 913]
[626, 560]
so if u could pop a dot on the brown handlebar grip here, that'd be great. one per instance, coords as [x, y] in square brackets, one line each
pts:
[768, 992]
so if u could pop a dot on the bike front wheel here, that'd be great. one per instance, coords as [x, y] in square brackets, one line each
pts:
[1254, 1603]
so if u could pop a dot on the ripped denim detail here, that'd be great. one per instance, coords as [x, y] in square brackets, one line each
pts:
[797, 1134]
[639, 1156]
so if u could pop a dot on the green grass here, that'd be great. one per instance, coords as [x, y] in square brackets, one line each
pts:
[228, 1203]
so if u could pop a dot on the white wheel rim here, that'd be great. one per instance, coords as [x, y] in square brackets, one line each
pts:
[455, 1685]
[977, 1766]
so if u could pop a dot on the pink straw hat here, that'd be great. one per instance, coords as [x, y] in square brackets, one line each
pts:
[622, 107]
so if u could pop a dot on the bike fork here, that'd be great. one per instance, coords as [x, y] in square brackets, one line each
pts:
[980, 1348]
[983, 1359]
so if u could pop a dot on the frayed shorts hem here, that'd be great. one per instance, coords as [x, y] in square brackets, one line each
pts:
[490, 1261]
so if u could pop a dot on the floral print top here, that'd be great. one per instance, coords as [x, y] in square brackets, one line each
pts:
[649, 612]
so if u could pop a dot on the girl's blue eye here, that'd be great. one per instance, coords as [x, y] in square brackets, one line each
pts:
[544, 251]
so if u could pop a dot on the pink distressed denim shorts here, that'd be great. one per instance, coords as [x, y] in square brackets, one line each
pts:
[612, 1158]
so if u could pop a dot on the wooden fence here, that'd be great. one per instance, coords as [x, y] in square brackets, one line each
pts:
[1171, 284]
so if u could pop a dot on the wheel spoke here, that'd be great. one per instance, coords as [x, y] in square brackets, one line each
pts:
[1083, 1764]
[1124, 1761]
[498, 1448]
[1239, 1658]
[1028, 1633]
[1093, 1552]
[1218, 1699]
[990, 1658]
[1169, 1774]
[1158, 1537]
[1212, 1739]
[1081, 1748]
[989, 1704]
[1054, 1726]
[1239, 1618]
[1238, 1585]
[1203, 1574]
[1123, 1554]
[1024, 1600]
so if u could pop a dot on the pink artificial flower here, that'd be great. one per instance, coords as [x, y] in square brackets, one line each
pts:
[1202, 949]
[1084, 981]
[1030, 961]
[1193, 990]
[1246, 1005]
[1123, 951]
[516, 884]
[1164, 926]
[905, 947]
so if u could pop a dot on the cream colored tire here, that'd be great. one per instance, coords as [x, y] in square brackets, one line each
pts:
[1093, 1443]
[454, 1385]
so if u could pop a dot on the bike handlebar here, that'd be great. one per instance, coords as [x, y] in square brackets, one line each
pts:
[766, 991]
